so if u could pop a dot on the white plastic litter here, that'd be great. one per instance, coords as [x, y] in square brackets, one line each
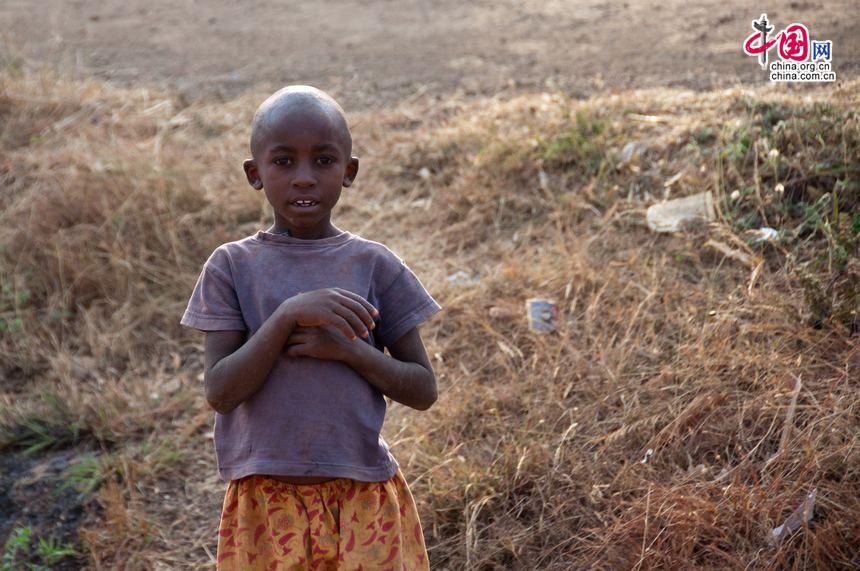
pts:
[680, 213]
[629, 151]
[461, 277]
[763, 234]
[803, 514]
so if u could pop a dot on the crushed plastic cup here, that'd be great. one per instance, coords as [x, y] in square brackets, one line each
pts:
[681, 213]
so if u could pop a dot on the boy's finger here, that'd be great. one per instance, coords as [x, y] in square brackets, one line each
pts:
[358, 311]
[366, 304]
[356, 323]
[344, 327]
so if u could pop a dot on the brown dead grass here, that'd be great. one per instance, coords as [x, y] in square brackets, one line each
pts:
[536, 454]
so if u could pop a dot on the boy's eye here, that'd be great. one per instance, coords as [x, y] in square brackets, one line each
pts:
[325, 160]
[282, 161]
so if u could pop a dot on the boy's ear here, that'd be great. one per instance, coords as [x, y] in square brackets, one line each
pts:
[252, 174]
[351, 171]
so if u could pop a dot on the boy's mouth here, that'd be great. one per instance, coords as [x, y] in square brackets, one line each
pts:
[304, 203]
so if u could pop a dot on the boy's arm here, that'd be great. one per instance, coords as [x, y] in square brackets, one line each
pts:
[406, 376]
[235, 368]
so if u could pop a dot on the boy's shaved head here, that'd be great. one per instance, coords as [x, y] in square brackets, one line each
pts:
[298, 98]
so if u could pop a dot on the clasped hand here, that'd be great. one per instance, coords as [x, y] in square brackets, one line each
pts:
[328, 323]
[322, 342]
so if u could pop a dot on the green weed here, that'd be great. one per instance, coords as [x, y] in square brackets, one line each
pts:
[18, 553]
[85, 475]
[581, 146]
[18, 544]
[705, 136]
[739, 144]
[50, 427]
[52, 550]
[13, 299]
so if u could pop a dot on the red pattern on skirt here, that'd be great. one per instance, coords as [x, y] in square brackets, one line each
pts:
[271, 525]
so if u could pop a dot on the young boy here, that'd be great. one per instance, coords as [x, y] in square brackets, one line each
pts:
[297, 318]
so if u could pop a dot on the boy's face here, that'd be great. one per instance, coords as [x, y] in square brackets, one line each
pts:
[302, 155]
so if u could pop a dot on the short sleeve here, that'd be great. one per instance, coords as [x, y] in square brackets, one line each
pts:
[403, 304]
[214, 305]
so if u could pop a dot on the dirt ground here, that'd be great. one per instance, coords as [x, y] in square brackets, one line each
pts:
[373, 53]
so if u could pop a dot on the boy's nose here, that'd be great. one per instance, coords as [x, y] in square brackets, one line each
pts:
[304, 177]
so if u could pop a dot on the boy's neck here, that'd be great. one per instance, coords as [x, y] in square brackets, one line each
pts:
[333, 231]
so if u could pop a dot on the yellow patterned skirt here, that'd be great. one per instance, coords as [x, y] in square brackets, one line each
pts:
[267, 524]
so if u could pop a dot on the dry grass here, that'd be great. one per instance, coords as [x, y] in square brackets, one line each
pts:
[536, 455]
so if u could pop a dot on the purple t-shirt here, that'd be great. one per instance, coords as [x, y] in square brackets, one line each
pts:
[311, 417]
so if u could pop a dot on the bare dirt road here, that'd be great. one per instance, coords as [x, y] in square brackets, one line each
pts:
[375, 53]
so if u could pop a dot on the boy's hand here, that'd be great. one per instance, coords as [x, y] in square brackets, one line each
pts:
[323, 342]
[347, 312]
